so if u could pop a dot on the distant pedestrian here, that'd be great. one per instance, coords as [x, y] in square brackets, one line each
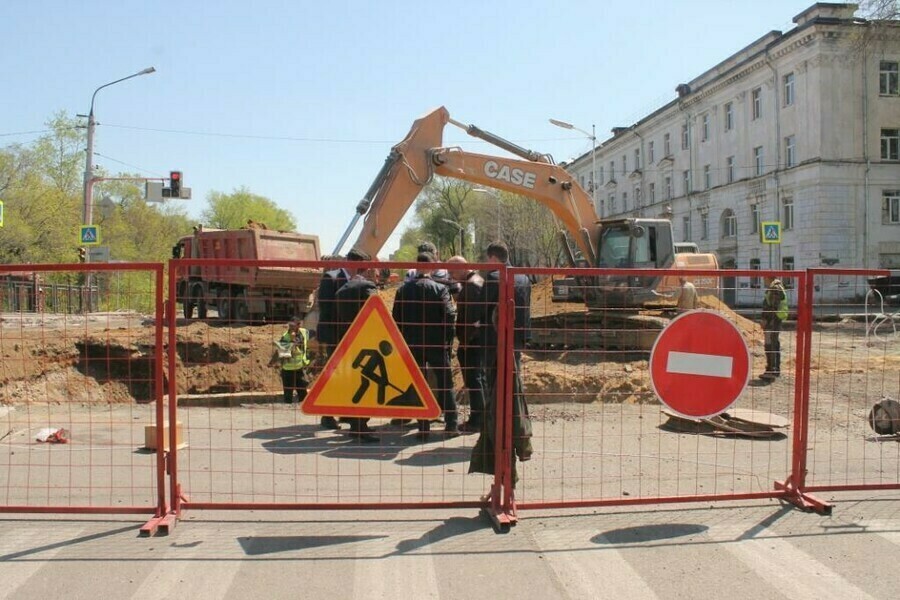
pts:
[469, 334]
[293, 354]
[425, 316]
[775, 310]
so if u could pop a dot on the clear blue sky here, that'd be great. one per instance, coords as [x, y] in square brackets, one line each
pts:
[345, 79]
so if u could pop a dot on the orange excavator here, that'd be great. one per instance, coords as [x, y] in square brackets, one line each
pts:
[617, 305]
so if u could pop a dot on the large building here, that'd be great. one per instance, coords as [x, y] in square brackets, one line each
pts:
[801, 127]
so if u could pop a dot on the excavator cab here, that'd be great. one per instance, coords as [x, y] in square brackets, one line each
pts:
[630, 244]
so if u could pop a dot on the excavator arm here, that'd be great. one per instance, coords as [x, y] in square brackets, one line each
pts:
[413, 163]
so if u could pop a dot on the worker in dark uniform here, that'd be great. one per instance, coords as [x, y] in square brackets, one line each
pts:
[349, 300]
[483, 452]
[470, 351]
[774, 311]
[425, 315]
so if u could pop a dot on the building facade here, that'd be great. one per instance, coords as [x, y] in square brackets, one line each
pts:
[801, 127]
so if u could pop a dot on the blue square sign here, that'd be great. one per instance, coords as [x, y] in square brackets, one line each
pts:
[90, 235]
[770, 232]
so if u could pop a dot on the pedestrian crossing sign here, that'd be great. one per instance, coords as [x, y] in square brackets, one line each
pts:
[90, 235]
[770, 232]
[372, 373]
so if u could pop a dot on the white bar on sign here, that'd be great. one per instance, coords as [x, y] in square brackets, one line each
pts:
[690, 363]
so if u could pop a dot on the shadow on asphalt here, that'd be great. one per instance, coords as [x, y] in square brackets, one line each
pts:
[452, 527]
[311, 439]
[260, 546]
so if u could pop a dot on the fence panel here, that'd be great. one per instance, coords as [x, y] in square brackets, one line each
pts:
[854, 364]
[244, 446]
[599, 434]
[87, 385]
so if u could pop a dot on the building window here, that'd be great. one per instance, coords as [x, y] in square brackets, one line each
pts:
[668, 187]
[756, 103]
[729, 169]
[707, 177]
[704, 226]
[624, 164]
[612, 204]
[600, 178]
[754, 218]
[686, 228]
[581, 181]
[890, 144]
[729, 224]
[788, 81]
[636, 192]
[624, 201]
[891, 207]
[729, 116]
[650, 156]
[686, 179]
[787, 264]
[667, 145]
[612, 171]
[704, 129]
[685, 137]
[755, 265]
[651, 193]
[790, 152]
[787, 213]
[758, 161]
[888, 79]
[637, 159]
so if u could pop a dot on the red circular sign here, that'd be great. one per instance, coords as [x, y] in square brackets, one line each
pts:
[700, 364]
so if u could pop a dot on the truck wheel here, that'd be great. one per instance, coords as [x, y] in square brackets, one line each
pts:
[241, 311]
[199, 300]
[224, 308]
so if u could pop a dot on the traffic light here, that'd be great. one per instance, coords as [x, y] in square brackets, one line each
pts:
[82, 255]
[175, 183]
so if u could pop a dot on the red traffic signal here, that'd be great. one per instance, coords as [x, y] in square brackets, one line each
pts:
[175, 183]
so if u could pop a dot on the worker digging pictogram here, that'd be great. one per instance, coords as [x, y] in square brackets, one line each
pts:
[370, 363]
[372, 373]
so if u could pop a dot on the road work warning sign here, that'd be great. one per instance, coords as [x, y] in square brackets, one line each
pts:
[372, 373]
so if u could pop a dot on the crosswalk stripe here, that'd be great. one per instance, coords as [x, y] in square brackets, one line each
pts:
[581, 571]
[788, 569]
[17, 572]
[394, 576]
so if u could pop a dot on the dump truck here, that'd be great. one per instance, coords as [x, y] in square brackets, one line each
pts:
[622, 311]
[246, 294]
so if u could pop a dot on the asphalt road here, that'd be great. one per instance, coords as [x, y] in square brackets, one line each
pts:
[727, 550]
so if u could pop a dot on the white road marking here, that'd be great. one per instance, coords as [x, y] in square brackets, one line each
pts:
[16, 542]
[584, 572]
[692, 363]
[796, 574]
[168, 579]
[395, 576]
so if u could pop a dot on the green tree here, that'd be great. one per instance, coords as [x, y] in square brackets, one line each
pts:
[235, 210]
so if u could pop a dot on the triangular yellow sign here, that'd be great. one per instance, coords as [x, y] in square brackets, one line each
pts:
[372, 373]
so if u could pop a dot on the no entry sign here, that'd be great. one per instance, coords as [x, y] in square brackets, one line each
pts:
[700, 364]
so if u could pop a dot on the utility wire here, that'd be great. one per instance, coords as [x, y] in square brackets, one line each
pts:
[141, 169]
[305, 139]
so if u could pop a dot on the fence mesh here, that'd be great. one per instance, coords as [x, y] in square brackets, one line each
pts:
[599, 430]
[78, 391]
[244, 443]
[854, 364]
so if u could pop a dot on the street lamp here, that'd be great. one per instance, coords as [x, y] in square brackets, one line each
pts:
[593, 137]
[461, 232]
[89, 159]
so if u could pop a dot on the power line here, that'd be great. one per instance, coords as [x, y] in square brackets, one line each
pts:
[141, 169]
[287, 138]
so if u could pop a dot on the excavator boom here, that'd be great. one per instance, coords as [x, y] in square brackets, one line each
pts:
[413, 163]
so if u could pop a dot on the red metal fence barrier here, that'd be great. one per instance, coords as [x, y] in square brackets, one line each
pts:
[77, 393]
[595, 432]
